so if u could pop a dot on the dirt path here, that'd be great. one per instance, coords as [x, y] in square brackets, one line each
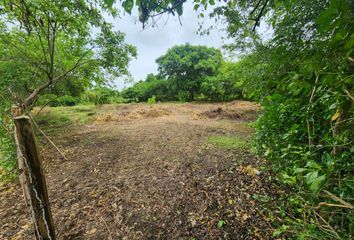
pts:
[149, 172]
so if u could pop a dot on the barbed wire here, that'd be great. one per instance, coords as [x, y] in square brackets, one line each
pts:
[33, 187]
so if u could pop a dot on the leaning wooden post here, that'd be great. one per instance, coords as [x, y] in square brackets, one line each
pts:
[17, 111]
[35, 179]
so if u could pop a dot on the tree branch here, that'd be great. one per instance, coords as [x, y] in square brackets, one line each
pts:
[45, 135]
[30, 60]
[348, 94]
[30, 99]
[74, 67]
[256, 7]
[259, 15]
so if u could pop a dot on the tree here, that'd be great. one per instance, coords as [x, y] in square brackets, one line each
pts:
[53, 40]
[186, 66]
[57, 47]
[154, 85]
[226, 85]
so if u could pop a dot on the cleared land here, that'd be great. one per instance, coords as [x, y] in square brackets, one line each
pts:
[139, 171]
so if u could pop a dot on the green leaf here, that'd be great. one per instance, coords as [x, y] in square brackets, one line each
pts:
[310, 177]
[179, 9]
[280, 230]
[109, 3]
[291, 180]
[221, 223]
[317, 182]
[327, 159]
[128, 5]
[300, 170]
[313, 165]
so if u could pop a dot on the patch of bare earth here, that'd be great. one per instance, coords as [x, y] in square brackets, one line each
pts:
[147, 172]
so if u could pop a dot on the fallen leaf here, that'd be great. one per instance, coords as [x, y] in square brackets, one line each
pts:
[92, 231]
[335, 116]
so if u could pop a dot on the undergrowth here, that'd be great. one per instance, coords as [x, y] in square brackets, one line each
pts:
[54, 118]
[228, 142]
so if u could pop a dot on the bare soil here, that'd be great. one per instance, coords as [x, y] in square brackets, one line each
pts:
[148, 172]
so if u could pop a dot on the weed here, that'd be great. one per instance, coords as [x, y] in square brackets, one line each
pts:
[228, 142]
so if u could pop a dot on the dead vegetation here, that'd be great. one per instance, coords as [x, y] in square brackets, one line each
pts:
[149, 172]
[237, 110]
[151, 112]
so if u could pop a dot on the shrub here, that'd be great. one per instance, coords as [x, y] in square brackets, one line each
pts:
[7, 148]
[152, 100]
[102, 95]
[65, 100]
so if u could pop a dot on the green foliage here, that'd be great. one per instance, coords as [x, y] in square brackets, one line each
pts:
[49, 47]
[65, 100]
[303, 78]
[7, 152]
[152, 86]
[188, 73]
[7, 146]
[52, 48]
[53, 119]
[101, 95]
[226, 85]
[186, 66]
[152, 100]
[221, 223]
[150, 9]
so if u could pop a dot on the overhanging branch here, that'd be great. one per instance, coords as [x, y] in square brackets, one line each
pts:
[259, 15]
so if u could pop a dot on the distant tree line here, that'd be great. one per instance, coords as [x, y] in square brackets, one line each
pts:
[189, 73]
[185, 73]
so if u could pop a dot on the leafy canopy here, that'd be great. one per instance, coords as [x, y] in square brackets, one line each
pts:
[187, 66]
[52, 41]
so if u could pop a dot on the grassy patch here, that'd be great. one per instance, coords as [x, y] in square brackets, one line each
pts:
[7, 169]
[7, 176]
[228, 142]
[57, 117]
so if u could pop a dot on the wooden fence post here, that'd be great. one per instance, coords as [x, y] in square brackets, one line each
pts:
[17, 111]
[34, 179]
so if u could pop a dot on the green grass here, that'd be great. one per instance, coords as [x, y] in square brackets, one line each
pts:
[7, 169]
[57, 117]
[228, 142]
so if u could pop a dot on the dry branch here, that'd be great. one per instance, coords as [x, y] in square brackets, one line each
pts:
[337, 199]
[49, 140]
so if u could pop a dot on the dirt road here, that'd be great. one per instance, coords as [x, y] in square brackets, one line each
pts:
[143, 171]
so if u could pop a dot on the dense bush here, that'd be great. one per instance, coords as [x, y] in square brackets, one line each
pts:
[7, 155]
[152, 86]
[303, 77]
[226, 85]
[7, 148]
[65, 100]
[101, 95]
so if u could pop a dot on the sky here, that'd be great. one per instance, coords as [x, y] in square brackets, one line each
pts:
[154, 42]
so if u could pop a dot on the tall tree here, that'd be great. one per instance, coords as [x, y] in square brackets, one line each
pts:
[52, 40]
[187, 66]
